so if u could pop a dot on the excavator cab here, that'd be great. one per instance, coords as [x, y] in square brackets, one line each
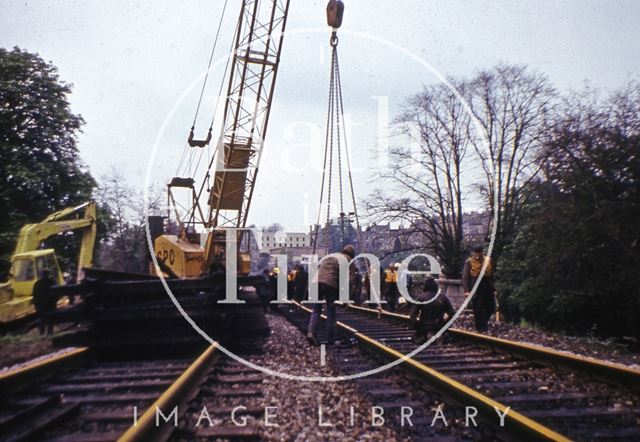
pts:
[26, 269]
[15, 295]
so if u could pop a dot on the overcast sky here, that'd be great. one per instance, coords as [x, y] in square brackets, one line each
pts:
[133, 63]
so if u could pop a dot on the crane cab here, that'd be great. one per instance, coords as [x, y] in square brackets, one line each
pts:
[181, 258]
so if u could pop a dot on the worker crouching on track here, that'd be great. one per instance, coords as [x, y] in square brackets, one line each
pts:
[484, 299]
[44, 302]
[328, 291]
[431, 317]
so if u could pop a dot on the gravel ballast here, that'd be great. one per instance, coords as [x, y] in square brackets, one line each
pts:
[298, 402]
[607, 350]
[18, 349]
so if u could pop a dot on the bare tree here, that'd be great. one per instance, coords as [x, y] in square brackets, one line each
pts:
[424, 174]
[125, 248]
[514, 108]
[273, 228]
[490, 140]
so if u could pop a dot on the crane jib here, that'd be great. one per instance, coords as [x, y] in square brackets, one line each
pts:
[232, 171]
[246, 113]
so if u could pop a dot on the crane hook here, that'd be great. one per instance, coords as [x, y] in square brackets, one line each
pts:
[198, 143]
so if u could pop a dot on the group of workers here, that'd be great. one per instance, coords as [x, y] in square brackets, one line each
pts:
[433, 309]
[428, 316]
[297, 285]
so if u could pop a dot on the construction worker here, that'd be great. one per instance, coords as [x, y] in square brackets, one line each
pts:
[69, 279]
[291, 276]
[355, 285]
[366, 286]
[300, 283]
[369, 289]
[391, 293]
[273, 283]
[484, 299]
[264, 290]
[328, 280]
[44, 302]
[431, 317]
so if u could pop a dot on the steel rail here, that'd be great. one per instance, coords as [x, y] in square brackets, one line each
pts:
[147, 427]
[515, 424]
[599, 368]
[21, 377]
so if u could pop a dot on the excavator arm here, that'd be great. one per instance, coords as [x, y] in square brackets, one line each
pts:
[82, 217]
[28, 259]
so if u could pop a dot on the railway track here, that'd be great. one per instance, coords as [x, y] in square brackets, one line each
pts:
[75, 397]
[79, 397]
[545, 394]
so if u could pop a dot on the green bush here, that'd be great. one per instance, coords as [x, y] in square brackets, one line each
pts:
[575, 263]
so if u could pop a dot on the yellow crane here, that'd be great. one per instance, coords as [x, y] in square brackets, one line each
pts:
[28, 260]
[233, 169]
[232, 172]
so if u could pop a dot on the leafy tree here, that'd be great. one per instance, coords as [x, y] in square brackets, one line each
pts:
[334, 236]
[40, 167]
[273, 228]
[574, 264]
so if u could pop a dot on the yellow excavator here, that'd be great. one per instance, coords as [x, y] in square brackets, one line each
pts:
[29, 260]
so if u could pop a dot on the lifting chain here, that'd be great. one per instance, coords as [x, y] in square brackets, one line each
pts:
[334, 139]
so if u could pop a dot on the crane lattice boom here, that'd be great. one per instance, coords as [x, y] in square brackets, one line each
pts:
[258, 43]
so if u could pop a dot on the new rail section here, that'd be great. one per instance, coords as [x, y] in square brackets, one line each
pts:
[605, 370]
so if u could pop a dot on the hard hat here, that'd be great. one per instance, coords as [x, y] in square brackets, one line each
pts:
[276, 270]
[396, 265]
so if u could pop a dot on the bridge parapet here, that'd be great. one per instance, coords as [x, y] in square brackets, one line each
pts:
[453, 289]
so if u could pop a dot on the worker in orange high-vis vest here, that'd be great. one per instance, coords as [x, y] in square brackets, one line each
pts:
[391, 293]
